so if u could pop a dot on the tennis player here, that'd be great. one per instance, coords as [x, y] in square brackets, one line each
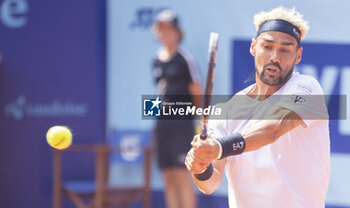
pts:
[274, 143]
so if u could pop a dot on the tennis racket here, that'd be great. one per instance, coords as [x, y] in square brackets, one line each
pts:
[213, 46]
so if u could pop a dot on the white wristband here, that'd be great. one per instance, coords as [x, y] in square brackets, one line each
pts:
[220, 150]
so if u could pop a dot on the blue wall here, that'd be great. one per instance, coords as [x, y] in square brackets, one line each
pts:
[53, 73]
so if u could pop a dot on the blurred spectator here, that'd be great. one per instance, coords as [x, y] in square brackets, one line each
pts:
[175, 73]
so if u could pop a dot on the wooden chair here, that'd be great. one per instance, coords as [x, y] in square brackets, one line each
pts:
[98, 193]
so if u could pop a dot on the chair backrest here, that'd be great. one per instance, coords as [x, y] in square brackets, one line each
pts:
[132, 166]
[124, 163]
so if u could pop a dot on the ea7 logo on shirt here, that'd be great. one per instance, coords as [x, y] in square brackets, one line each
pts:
[151, 107]
[297, 99]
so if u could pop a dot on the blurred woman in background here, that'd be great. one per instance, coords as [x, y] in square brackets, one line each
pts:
[177, 79]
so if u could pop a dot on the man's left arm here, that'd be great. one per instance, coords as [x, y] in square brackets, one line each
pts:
[251, 138]
[268, 131]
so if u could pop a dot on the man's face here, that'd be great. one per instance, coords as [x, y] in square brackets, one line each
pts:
[275, 54]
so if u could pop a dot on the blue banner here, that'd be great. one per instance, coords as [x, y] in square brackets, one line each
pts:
[130, 143]
[53, 73]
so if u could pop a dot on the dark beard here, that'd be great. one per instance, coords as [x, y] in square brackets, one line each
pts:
[281, 80]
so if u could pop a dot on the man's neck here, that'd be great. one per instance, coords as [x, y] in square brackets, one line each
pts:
[262, 91]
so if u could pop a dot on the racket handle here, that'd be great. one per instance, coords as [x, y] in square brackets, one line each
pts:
[204, 134]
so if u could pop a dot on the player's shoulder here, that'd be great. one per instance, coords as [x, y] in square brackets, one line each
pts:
[230, 102]
[185, 55]
[302, 83]
[297, 77]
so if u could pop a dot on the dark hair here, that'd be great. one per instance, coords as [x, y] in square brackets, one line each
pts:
[181, 35]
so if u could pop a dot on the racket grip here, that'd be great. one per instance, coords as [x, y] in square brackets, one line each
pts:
[204, 134]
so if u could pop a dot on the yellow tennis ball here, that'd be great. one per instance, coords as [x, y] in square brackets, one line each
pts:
[59, 137]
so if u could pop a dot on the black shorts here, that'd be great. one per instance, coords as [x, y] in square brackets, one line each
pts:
[173, 142]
